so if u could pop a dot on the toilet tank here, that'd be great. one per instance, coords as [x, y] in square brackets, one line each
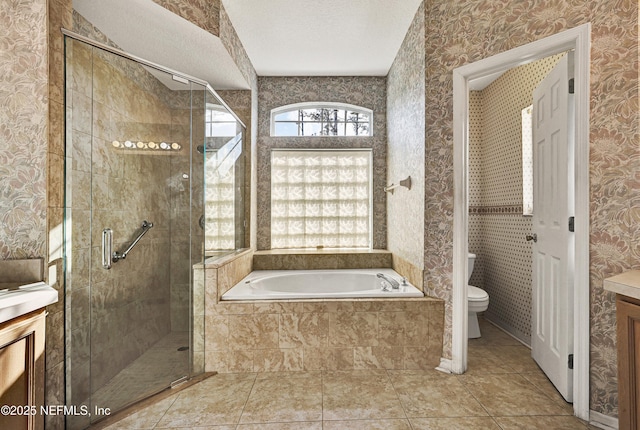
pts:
[471, 259]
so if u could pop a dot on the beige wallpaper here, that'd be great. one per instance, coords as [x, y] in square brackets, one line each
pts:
[466, 31]
[369, 92]
[496, 226]
[203, 13]
[405, 146]
[461, 32]
[23, 129]
[232, 43]
[29, 142]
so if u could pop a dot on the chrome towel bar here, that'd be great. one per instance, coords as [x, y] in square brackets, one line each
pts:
[107, 245]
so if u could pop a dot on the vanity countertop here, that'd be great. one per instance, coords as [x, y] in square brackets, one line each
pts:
[17, 299]
[626, 284]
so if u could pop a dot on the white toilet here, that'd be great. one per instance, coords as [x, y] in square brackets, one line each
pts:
[477, 299]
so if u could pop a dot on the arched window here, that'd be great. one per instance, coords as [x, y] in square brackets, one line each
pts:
[321, 119]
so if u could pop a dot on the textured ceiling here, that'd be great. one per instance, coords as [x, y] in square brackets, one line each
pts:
[321, 38]
[281, 37]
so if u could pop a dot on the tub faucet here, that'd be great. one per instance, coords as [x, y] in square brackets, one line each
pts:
[395, 285]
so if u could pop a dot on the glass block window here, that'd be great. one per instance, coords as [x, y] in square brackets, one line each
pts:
[220, 194]
[321, 119]
[321, 198]
[527, 161]
[220, 210]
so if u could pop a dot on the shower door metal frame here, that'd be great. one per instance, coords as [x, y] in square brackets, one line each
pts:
[175, 73]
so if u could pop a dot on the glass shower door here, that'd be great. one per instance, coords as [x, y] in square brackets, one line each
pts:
[133, 239]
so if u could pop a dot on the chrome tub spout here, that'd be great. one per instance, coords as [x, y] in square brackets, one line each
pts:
[395, 285]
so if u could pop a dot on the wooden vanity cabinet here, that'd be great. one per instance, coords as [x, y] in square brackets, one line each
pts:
[22, 371]
[628, 321]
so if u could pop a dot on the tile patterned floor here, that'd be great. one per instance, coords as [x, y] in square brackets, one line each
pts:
[503, 389]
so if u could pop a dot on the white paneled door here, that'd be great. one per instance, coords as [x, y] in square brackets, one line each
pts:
[553, 242]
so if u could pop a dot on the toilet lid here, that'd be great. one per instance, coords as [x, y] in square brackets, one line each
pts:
[476, 294]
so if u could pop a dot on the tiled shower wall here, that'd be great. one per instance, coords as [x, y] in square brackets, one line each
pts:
[130, 305]
[169, 309]
[497, 227]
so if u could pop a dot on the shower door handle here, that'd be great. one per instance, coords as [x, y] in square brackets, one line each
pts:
[107, 248]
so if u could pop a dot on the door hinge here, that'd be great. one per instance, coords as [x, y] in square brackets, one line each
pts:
[570, 361]
[571, 86]
[571, 223]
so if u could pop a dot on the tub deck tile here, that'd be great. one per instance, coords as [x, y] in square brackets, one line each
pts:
[353, 329]
[303, 330]
[278, 360]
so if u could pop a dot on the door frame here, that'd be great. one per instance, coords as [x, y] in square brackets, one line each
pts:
[579, 40]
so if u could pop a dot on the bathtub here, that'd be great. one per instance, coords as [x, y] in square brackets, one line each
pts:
[318, 284]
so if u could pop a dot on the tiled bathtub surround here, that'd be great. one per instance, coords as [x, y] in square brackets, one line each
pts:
[300, 260]
[329, 335]
[311, 334]
[413, 273]
[313, 260]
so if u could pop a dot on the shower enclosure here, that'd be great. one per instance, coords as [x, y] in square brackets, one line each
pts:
[154, 178]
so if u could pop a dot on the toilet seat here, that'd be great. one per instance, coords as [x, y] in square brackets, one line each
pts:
[475, 294]
[477, 301]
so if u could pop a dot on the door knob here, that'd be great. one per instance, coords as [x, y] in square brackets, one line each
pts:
[531, 237]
